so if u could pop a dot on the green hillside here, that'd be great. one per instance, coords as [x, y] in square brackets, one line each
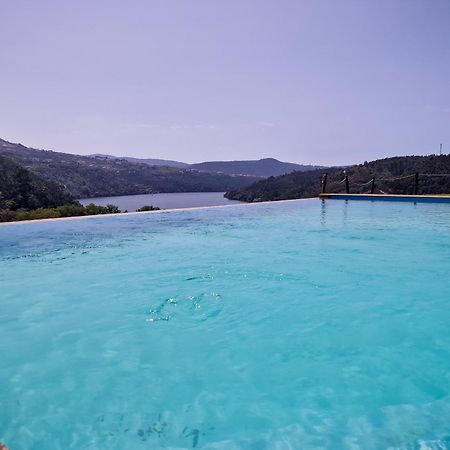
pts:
[85, 176]
[393, 176]
[21, 189]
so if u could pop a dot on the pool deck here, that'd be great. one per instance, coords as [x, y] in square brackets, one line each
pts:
[388, 197]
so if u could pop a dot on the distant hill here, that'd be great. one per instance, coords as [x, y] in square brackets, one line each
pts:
[21, 189]
[259, 168]
[149, 161]
[392, 176]
[85, 176]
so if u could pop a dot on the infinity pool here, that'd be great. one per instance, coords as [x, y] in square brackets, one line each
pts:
[294, 325]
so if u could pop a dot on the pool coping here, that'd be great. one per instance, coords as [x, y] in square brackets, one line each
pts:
[387, 197]
[324, 196]
[159, 211]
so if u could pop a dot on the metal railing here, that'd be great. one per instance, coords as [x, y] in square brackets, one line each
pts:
[372, 182]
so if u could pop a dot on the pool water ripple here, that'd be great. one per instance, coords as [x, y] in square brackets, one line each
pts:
[312, 325]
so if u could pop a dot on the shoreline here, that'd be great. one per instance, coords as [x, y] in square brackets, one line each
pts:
[135, 213]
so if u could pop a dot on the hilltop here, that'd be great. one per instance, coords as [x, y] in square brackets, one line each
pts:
[259, 168]
[148, 161]
[389, 173]
[85, 176]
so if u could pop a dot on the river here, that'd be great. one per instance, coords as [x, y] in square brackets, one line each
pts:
[164, 201]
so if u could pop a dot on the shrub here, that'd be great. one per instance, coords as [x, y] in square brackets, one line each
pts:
[69, 210]
[148, 208]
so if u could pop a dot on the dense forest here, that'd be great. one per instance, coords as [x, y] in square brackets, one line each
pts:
[85, 176]
[24, 196]
[21, 189]
[393, 176]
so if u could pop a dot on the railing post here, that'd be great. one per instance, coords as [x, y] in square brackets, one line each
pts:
[347, 187]
[372, 187]
[324, 182]
[416, 183]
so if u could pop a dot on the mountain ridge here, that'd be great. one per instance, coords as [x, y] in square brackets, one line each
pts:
[85, 176]
[149, 161]
[264, 167]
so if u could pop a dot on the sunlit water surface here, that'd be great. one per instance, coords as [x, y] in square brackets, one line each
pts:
[298, 325]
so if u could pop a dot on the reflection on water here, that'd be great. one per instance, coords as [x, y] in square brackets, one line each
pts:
[323, 220]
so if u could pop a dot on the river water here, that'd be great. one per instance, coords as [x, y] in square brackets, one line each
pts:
[163, 201]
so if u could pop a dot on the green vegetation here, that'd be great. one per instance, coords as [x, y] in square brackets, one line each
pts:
[84, 176]
[25, 196]
[70, 210]
[21, 189]
[386, 171]
[148, 208]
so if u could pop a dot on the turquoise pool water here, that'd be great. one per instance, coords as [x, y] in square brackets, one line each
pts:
[297, 325]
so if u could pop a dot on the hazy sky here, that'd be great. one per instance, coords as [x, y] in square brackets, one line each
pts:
[328, 82]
